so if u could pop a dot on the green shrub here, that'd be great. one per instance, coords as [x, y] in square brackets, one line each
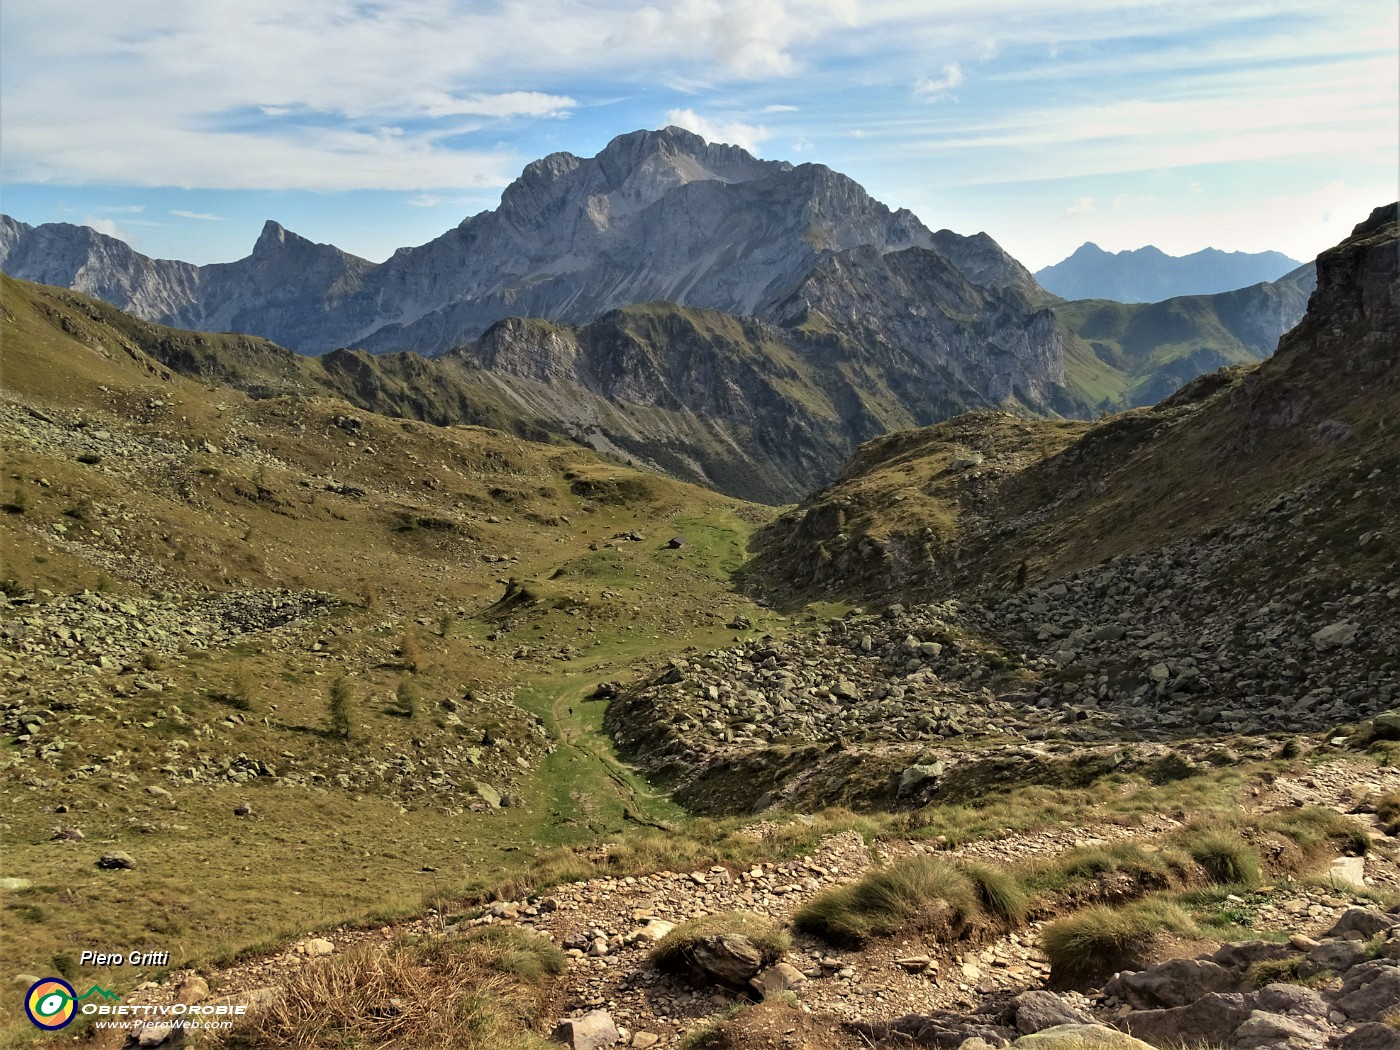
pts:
[1316, 830]
[1000, 892]
[520, 953]
[1387, 809]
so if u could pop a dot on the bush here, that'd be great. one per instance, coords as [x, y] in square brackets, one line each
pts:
[407, 696]
[1152, 870]
[522, 954]
[339, 703]
[1226, 857]
[1387, 810]
[409, 654]
[239, 692]
[1316, 830]
[919, 890]
[1100, 940]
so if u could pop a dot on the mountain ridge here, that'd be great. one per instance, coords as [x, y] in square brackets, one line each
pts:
[655, 215]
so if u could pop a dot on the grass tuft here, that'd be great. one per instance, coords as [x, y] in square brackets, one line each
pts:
[1226, 858]
[1000, 892]
[1100, 940]
[919, 891]
[469, 993]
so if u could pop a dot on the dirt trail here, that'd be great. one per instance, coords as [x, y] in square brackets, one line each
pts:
[864, 985]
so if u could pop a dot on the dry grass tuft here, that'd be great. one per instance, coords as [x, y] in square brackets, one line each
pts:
[468, 993]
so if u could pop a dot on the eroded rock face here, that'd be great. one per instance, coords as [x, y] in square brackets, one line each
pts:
[1192, 1003]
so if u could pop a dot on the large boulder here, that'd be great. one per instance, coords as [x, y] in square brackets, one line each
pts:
[1211, 1019]
[1370, 992]
[1035, 1011]
[1373, 1035]
[1363, 921]
[1176, 982]
[729, 958]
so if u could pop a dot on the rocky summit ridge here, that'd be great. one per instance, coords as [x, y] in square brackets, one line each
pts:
[656, 215]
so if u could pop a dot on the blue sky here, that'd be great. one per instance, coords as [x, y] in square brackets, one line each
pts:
[372, 124]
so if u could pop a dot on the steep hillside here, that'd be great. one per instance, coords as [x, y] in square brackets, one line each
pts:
[1129, 355]
[741, 405]
[1149, 275]
[1217, 449]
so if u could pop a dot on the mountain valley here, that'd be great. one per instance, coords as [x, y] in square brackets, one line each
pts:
[390, 698]
[738, 323]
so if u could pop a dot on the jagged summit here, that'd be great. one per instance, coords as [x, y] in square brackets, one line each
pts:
[657, 215]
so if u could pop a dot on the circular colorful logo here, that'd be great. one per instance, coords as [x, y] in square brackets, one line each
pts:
[50, 1003]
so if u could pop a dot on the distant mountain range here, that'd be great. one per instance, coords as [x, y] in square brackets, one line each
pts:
[732, 321]
[1149, 275]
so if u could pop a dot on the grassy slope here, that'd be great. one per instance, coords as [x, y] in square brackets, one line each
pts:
[202, 522]
[1062, 495]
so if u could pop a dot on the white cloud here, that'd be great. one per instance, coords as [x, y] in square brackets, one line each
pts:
[1081, 206]
[507, 104]
[121, 231]
[122, 209]
[204, 215]
[424, 200]
[780, 109]
[734, 133]
[929, 89]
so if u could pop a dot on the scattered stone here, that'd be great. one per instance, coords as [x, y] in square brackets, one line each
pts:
[592, 1031]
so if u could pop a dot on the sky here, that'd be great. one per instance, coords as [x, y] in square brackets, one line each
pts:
[182, 126]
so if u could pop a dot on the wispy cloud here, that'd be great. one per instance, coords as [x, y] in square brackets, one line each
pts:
[931, 88]
[733, 132]
[1081, 206]
[780, 109]
[204, 215]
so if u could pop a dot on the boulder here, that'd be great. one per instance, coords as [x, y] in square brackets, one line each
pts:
[1335, 635]
[1176, 982]
[778, 978]
[1363, 921]
[1211, 1019]
[728, 958]
[1262, 1029]
[116, 860]
[1079, 1037]
[1291, 999]
[1035, 1011]
[1370, 995]
[193, 989]
[915, 777]
[1373, 1035]
[592, 1031]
